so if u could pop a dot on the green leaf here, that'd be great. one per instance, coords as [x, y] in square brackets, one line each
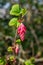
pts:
[18, 24]
[16, 10]
[32, 59]
[11, 58]
[23, 11]
[18, 41]
[28, 62]
[1, 61]
[9, 49]
[13, 22]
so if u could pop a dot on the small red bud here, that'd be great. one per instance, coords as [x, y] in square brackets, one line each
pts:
[6, 64]
[19, 20]
[15, 60]
[13, 48]
[17, 49]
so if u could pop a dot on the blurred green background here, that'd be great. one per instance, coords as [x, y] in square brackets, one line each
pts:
[34, 24]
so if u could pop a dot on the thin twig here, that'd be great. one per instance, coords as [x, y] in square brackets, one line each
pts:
[36, 60]
[15, 37]
[35, 36]
[32, 45]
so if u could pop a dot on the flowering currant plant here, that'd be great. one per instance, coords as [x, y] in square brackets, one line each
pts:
[17, 22]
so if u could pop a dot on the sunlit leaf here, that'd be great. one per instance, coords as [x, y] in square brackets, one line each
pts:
[32, 59]
[28, 62]
[13, 22]
[1, 61]
[18, 41]
[16, 10]
[9, 49]
[23, 11]
[18, 24]
[11, 58]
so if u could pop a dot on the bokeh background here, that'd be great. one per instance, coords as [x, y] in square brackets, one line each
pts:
[33, 22]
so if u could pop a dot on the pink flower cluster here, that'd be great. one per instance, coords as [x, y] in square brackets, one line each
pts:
[21, 31]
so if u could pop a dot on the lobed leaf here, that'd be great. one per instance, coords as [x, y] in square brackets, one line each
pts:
[13, 22]
[16, 10]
